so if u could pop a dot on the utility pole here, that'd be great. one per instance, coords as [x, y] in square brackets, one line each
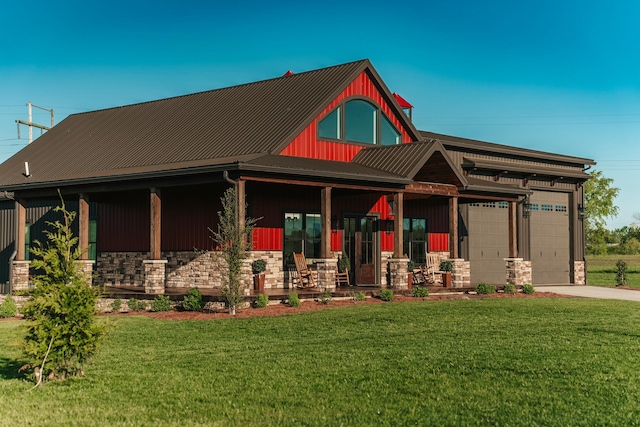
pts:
[31, 124]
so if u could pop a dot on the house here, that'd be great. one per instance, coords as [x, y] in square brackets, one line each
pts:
[328, 159]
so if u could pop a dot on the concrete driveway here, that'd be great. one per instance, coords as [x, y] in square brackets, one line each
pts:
[592, 292]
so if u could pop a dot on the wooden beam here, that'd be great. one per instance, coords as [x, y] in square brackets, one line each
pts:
[385, 190]
[83, 226]
[325, 214]
[21, 230]
[513, 230]
[453, 227]
[156, 223]
[398, 216]
[432, 188]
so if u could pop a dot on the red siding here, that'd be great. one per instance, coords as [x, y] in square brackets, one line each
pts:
[438, 242]
[267, 239]
[307, 145]
[123, 223]
[336, 240]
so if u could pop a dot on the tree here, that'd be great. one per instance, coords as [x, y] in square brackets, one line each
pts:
[599, 196]
[233, 241]
[61, 332]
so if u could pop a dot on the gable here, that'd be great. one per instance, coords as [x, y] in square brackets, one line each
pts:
[307, 144]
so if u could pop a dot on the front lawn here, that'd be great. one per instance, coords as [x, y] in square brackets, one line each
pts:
[601, 270]
[476, 362]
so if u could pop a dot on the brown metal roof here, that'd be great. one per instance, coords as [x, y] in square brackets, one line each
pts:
[523, 169]
[425, 161]
[490, 147]
[188, 131]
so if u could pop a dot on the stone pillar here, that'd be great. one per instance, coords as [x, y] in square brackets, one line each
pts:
[461, 274]
[579, 273]
[86, 267]
[327, 269]
[154, 276]
[19, 275]
[398, 273]
[518, 271]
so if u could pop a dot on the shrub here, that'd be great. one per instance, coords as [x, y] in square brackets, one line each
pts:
[621, 273]
[344, 264]
[135, 305]
[294, 300]
[528, 289]
[258, 266]
[446, 266]
[326, 297]
[509, 289]
[161, 303]
[358, 296]
[386, 294]
[193, 300]
[420, 291]
[262, 301]
[116, 304]
[61, 329]
[483, 288]
[8, 308]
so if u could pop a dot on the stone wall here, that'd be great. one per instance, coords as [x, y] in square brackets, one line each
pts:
[120, 269]
[519, 271]
[398, 273]
[579, 273]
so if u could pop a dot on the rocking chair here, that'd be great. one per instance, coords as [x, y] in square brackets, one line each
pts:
[305, 275]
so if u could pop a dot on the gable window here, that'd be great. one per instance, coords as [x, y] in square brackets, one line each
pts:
[359, 121]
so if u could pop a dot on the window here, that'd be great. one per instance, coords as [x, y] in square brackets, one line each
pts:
[359, 121]
[414, 238]
[302, 234]
[503, 205]
[561, 208]
[547, 208]
[27, 242]
[93, 233]
[330, 127]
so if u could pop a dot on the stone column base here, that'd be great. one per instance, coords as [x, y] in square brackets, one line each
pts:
[461, 274]
[154, 276]
[518, 271]
[327, 269]
[86, 267]
[579, 273]
[20, 275]
[398, 273]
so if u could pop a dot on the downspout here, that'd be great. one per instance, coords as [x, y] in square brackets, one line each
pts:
[225, 175]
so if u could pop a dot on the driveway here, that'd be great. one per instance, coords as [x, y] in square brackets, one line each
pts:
[592, 292]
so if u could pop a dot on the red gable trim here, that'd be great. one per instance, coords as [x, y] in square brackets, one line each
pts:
[306, 144]
[403, 102]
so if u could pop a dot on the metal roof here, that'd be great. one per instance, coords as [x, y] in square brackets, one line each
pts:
[168, 134]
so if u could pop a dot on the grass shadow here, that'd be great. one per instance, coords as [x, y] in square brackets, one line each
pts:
[9, 369]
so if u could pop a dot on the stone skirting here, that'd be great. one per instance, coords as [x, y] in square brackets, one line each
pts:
[20, 275]
[579, 273]
[461, 274]
[398, 273]
[120, 268]
[519, 271]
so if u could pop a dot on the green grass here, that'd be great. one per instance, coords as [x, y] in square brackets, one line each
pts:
[564, 362]
[601, 269]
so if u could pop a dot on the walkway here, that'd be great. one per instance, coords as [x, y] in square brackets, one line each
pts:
[592, 292]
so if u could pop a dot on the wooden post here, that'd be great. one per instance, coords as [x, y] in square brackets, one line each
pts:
[83, 225]
[453, 228]
[325, 218]
[21, 230]
[156, 223]
[241, 207]
[513, 233]
[398, 217]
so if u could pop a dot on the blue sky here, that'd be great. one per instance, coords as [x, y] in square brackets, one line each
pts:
[559, 76]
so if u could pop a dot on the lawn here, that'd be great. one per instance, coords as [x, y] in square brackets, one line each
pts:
[601, 269]
[562, 362]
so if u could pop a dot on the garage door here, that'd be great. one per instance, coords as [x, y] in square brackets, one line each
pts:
[550, 237]
[488, 230]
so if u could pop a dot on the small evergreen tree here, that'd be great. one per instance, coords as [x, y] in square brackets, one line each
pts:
[61, 332]
[233, 241]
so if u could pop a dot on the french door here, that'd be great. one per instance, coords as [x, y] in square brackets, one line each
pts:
[361, 244]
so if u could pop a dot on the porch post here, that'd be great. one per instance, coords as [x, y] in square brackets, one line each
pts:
[20, 267]
[513, 240]
[325, 215]
[156, 208]
[241, 200]
[398, 218]
[453, 228]
[21, 229]
[83, 226]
